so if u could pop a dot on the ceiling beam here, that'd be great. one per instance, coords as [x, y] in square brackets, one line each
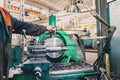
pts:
[32, 12]
[41, 4]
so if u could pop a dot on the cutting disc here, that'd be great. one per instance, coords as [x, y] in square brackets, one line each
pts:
[54, 43]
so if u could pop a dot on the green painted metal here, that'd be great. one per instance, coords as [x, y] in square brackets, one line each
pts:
[30, 76]
[52, 21]
[69, 55]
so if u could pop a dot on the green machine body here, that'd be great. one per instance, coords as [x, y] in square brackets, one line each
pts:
[69, 55]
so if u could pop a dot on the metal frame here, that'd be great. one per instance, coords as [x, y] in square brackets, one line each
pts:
[7, 6]
[22, 10]
[101, 10]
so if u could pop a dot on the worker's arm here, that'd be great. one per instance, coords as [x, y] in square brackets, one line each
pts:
[31, 29]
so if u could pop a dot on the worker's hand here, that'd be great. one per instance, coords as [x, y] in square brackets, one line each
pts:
[50, 28]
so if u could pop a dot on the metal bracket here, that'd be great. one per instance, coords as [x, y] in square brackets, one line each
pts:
[110, 32]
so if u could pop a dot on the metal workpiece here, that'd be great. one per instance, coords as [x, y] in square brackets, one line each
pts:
[54, 47]
[53, 50]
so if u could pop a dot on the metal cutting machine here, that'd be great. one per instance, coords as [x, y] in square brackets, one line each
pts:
[55, 58]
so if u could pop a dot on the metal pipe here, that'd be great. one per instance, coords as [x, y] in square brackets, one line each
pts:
[98, 37]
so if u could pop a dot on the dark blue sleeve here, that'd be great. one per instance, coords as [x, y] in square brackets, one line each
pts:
[31, 29]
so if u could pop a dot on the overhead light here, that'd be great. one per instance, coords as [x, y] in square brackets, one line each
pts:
[73, 7]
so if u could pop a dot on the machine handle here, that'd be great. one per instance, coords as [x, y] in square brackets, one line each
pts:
[37, 72]
[24, 33]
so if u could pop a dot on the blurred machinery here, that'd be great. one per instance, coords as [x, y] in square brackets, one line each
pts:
[54, 58]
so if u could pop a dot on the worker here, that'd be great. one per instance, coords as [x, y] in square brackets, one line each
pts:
[7, 25]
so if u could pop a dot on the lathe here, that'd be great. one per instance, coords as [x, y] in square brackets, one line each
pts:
[54, 58]
[37, 65]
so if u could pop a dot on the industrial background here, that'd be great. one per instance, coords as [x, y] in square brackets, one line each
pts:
[83, 46]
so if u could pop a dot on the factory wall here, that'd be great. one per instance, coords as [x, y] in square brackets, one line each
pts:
[115, 43]
[1, 3]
